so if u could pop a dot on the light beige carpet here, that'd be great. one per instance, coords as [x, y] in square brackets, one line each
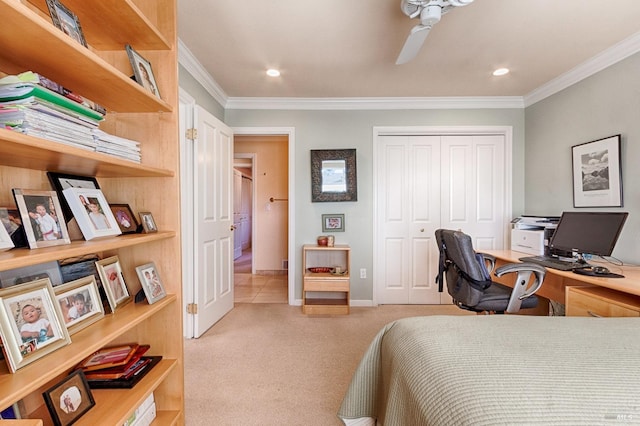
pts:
[268, 364]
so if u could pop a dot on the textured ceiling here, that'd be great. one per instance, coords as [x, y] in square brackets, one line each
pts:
[348, 48]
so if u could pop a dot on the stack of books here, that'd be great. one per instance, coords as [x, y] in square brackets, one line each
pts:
[117, 146]
[144, 414]
[117, 366]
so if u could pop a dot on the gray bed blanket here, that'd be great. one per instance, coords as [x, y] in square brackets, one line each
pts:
[499, 369]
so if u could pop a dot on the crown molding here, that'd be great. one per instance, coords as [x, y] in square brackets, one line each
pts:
[198, 72]
[604, 59]
[480, 102]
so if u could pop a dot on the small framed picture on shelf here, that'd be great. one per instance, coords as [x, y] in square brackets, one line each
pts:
[30, 323]
[70, 399]
[25, 274]
[125, 218]
[10, 218]
[80, 303]
[113, 282]
[150, 280]
[92, 212]
[142, 71]
[62, 181]
[148, 223]
[66, 20]
[333, 223]
[41, 216]
[6, 242]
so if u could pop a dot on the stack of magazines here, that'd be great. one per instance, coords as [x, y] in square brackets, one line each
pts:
[117, 366]
[117, 146]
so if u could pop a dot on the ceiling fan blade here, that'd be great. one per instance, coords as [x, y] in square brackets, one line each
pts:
[413, 44]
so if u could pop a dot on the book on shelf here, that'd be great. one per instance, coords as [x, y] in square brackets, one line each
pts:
[138, 416]
[126, 382]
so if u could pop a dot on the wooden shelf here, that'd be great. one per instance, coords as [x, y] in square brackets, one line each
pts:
[18, 150]
[60, 58]
[131, 27]
[30, 378]
[17, 258]
[325, 283]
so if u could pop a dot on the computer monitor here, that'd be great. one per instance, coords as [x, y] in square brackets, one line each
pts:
[588, 232]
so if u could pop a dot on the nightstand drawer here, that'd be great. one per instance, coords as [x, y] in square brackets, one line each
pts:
[326, 285]
[600, 302]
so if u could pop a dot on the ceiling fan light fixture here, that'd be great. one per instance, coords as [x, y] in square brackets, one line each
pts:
[501, 71]
[272, 72]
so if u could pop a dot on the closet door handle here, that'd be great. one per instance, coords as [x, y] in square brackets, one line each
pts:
[233, 228]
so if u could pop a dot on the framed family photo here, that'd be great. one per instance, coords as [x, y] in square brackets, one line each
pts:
[70, 399]
[62, 181]
[66, 20]
[41, 216]
[148, 223]
[30, 323]
[113, 282]
[125, 218]
[333, 223]
[80, 303]
[597, 174]
[150, 281]
[92, 212]
[142, 71]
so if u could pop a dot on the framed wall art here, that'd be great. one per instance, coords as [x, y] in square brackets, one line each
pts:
[333, 175]
[142, 71]
[597, 174]
[113, 282]
[92, 212]
[80, 303]
[70, 399]
[333, 223]
[41, 216]
[30, 323]
[150, 280]
[66, 20]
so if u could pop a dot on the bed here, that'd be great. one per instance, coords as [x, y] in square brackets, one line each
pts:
[498, 369]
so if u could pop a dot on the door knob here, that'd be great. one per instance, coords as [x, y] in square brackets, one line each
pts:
[422, 230]
[233, 228]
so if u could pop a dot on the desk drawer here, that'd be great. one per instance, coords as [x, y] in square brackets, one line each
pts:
[600, 302]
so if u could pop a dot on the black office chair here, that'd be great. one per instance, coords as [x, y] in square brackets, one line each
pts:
[468, 276]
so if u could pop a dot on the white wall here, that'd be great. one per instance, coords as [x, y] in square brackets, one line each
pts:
[605, 104]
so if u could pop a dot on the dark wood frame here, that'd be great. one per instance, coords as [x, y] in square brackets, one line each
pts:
[53, 395]
[133, 228]
[55, 8]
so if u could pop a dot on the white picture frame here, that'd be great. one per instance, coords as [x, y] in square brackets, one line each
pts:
[92, 212]
[5, 239]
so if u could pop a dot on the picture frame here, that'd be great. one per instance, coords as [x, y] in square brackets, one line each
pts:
[113, 282]
[25, 274]
[142, 71]
[91, 210]
[80, 303]
[148, 223]
[597, 173]
[65, 20]
[10, 218]
[125, 218]
[333, 175]
[69, 399]
[40, 213]
[30, 323]
[6, 243]
[62, 181]
[150, 281]
[333, 222]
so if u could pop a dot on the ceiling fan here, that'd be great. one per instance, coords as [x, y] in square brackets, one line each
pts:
[430, 12]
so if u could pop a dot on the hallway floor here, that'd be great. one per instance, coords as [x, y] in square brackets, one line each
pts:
[250, 288]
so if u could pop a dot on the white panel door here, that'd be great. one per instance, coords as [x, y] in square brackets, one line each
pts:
[428, 182]
[213, 208]
[408, 205]
[473, 183]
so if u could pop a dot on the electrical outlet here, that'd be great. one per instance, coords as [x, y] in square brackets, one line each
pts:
[363, 273]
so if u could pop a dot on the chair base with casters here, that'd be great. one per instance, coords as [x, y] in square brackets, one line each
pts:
[468, 277]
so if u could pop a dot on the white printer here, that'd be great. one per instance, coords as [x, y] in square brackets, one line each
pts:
[531, 234]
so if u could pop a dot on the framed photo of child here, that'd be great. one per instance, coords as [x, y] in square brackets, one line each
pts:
[142, 71]
[31, 323]
[125, 218]
[80, 303]
[113, 282]
[150, 280]
[41, 217]
[70, 399]
[92, 212]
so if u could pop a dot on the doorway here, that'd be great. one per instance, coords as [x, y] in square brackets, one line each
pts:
[262, 265]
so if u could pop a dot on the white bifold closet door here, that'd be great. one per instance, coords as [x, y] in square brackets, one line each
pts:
[428, 182]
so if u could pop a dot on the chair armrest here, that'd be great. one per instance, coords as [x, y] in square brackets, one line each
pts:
[523, 286]
[489, 261]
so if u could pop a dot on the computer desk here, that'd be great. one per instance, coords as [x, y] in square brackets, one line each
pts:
[556, 282]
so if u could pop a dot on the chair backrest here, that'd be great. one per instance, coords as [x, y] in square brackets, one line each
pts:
[466, 277]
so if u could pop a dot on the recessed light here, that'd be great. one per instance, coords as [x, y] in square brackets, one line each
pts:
[271, 72]
[501, 71]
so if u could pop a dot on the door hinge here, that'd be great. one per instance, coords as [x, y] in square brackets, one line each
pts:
[192, 308]
[192, 134]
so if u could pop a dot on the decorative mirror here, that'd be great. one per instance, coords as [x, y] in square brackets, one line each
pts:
[333, 175]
